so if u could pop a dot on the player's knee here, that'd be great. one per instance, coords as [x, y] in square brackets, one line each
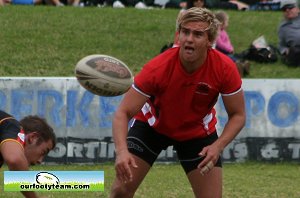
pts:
[121, 191]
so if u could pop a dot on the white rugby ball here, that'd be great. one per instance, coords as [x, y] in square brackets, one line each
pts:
[103, 75]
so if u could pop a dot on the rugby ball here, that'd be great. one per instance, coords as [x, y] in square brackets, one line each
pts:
[103, 75]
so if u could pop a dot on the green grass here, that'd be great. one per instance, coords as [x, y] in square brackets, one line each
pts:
[241, 180]
[49, 41]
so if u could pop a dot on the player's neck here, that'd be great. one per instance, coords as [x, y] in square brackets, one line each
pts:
[191, 67]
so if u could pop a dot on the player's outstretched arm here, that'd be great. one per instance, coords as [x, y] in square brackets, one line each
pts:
[130, 105]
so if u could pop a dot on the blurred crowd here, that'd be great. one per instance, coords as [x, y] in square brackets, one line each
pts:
[41, 2]
[147, 4]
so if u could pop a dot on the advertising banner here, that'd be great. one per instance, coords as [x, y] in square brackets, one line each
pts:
[82, 121]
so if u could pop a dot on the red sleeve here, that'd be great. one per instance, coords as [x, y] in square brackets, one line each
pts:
[154, 75]
[145, 80]
[231, 82]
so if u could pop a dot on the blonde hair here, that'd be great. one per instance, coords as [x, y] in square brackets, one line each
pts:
[196, 14]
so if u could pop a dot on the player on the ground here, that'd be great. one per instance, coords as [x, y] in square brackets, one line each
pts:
[172, 101]
[24, 143]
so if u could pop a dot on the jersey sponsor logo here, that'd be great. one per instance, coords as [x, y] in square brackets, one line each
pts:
[203, 88]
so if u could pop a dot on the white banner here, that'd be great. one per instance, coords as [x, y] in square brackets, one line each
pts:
[82, 121]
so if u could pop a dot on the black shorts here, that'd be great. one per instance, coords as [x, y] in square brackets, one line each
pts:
[144, 142]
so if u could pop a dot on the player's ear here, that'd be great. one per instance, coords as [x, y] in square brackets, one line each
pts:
[32, 138]
[209, 44]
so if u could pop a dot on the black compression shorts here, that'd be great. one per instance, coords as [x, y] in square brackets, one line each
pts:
[144, 142]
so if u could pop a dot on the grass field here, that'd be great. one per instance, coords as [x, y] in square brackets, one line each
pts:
[241, 180]
[49, 41]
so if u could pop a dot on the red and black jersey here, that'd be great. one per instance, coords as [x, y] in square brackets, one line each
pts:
[181, 105]
[10, 130]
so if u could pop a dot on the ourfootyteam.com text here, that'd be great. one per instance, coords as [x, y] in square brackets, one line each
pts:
[53, 186]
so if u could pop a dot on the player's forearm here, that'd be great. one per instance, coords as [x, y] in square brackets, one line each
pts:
[119, 131]
[18, 164]
[231, 130]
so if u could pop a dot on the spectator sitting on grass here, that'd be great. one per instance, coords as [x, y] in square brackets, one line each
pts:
[34, 2]
[128, 3]
[289, 33]
[227, 4]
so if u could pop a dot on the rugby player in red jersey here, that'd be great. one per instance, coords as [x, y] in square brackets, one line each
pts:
[172, 104]
[24, 143]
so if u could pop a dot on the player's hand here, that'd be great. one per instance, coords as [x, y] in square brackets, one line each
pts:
[123, 166]
[211, 154]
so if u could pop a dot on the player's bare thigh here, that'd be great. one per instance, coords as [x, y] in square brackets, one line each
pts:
[124, 190]
[208, 185]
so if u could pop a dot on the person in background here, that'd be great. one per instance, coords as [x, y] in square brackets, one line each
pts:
[35, 2]
[172, 103]
[239, 4]
[74, 3]
[227, 4]
[195, 3]
[24, 143]
[224, 45]
[129, 3]
[23, 2]
[181, 4]
[289, 33]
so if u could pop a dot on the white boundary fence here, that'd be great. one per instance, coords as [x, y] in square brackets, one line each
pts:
[82, 121]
